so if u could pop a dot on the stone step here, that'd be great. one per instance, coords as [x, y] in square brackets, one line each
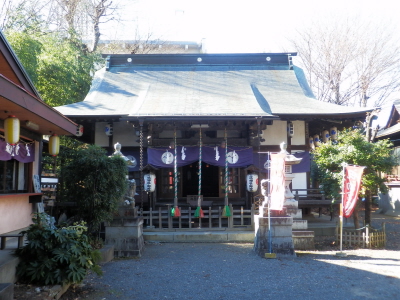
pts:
[303, 233]
[200, 236]
[299, 224]
[303, 240]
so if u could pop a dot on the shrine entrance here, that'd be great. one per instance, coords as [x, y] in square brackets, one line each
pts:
[210, 180]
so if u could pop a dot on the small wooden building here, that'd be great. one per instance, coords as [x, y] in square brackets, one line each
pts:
[156, 103]
[20, 162]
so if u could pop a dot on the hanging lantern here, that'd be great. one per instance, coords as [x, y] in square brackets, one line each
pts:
[325, 136]
[317, 141]
[149, 182]
[290, 129]
[79, 130]
[252, 182]
[109, 129]
[333, 133]
[11, 130]
[311, 143]
[54, 145]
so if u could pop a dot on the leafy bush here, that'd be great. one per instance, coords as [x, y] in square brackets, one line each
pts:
[56, 255]
[95, 182]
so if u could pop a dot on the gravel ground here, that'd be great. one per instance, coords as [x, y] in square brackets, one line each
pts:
[234, 271]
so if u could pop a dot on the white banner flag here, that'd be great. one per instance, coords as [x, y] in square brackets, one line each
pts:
[277, 180]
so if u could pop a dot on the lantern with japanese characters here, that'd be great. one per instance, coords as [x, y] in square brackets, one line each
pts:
[79, 130]
[252, 183]
[149, 182]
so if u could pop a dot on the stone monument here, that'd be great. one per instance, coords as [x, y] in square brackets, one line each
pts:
[125, 231]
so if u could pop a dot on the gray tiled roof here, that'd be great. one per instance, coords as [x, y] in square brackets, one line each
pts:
[201, 90]
[388, 131]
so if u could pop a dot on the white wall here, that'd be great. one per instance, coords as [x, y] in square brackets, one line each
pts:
[275, 134]
[299, 181]
[100, 138]
[299, 137]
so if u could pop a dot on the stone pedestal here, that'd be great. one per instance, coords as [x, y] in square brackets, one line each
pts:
[302, 238]
[389, 204]
[281, 234]
[126, 235]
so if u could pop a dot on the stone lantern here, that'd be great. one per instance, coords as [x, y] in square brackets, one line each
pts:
[277, 226]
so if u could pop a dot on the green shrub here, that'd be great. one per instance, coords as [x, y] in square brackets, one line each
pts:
[56, 255]
[96, 183]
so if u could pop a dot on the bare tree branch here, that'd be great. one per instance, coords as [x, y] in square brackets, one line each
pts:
[348, 61]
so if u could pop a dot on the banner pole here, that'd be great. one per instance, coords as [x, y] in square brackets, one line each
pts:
[268, 198]
[341, 253]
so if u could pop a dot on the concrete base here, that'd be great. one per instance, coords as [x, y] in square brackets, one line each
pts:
[6, 291]
[213, 236]
[107, 254]
[126, 235]
[8, 268]
[392, 213]
[281, 236]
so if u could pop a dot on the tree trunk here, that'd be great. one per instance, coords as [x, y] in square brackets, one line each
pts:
[356, 219]
[368, 201]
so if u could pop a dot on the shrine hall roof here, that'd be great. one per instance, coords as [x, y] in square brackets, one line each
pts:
[201, 85]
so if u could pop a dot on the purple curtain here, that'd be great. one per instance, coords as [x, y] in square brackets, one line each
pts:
[304, 165]
[237, 156]
[260, 161]
[164, 157]
[22, 152]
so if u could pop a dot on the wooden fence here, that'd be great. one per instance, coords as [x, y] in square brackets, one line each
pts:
[161, 218]
[365, 237]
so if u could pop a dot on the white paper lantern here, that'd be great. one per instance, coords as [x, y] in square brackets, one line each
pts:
[325, 136]
[317, 141]
[149, 182]
[333, 133]
[79, 130]
[290, 129]
[109, 129]
[311, 143]
[252, 183]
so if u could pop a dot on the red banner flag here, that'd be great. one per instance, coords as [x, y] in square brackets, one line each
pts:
[351, 188]
[277, 181]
